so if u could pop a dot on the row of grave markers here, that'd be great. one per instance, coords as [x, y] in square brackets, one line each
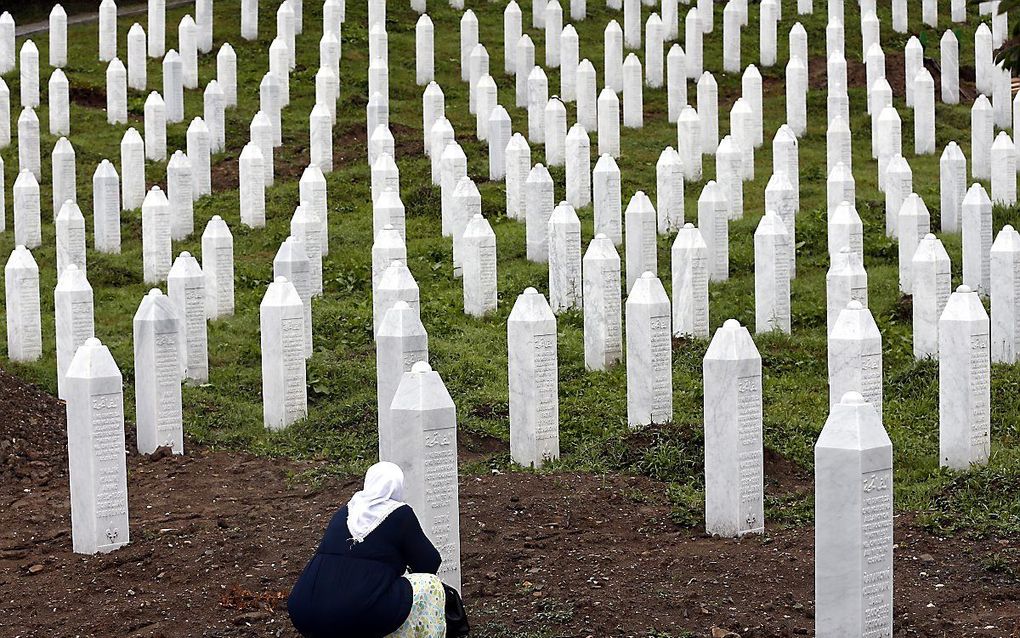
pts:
[733, 406]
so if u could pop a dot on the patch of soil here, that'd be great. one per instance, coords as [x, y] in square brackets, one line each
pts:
[292, 158]
[218, 538]
[87, 96]
[895, 73]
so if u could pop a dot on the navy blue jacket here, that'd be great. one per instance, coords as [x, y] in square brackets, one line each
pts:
[353, 590]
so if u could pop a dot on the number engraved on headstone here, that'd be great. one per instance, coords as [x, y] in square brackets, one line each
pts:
[721, 243]
[876, 557]
[107, 420]
[749, 439]
[412, 357]
[979, 381]
[82, 326]
[440, 474]
[648, 246]
[943, 288]
[293, 351]
[871, 378]
[546, 397]
[29, 298]
[782, 270]
[168, 402]
[487, 274]
[611, 292]
[194, 300]
[225, 277]
[699, 284]
[662, 380]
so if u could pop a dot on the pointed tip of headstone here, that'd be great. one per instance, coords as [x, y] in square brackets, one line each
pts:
[964, 288]
[421, 367]
[853, 398]
[855, 305]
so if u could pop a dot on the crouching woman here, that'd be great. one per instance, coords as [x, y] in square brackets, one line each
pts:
[356, 586]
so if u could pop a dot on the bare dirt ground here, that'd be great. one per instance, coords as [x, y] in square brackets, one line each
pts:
[217, 538]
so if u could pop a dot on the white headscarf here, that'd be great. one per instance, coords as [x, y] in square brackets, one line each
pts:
[383, 493]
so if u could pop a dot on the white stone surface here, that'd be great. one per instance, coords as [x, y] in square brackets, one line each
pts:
[467, 202]
[21, 290]
[395, 284]
[771, 275]
[633, 97]
[539, 207]
[981, 131]
[107, 31]
[499, 132]
[187, 41]
[855, 356]
[65, 179]
[899, 184]
[734, 457]
[612, 39]
[853, 522]
[261, 133]
[689, 143]
[200, 156]
[669, 192]
[555, 132]
[132, 170]
[632, 23]
[577, 162]
[387, 248]
[218, 266]
[518, 165]
[676, 81]
[607, 199]
[1003, 157]
[214, 116]
[932, 285]
[649, 353]
[846, 230]
[226, 74]
[70, 231]
[693, 42]
[524, 61]
[159, 420]
[713, 224]
[252, 191]
[587, 97]
[401, 342]
[914, 223]
[964, 382]
[949, 48]
[28, 64]
[156, 25]
[173, 84]
[29, 156]
[291, 262]
[840, 187]
[729, 174]
[95, 451]
[845, 281]
[282, 329]
[59, 105]
[534, 381]
[27, 210]
[654, 52]
[609, 123]
[116, 93]
[179, 193]
[512, 28]
[1005, 302]
[106, 208]
[306, 226]
[564, 244]
[186, 290]
[478, 248]
[640, 234]
[155, 128]
[156, 248]
[603, 335]
[977, 238]
[690, 274]
[136, 58]
[427, 453]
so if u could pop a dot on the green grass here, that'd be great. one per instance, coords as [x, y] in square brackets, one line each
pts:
[471, 354]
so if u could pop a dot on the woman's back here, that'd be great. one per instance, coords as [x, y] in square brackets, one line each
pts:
[354, 589]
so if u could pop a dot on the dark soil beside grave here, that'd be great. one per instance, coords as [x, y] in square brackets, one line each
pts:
[219, 537]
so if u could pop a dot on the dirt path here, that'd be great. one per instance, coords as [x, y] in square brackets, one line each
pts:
[218, 538]
[82, 18]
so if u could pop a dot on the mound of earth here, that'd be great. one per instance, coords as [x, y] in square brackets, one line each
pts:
[217, 539]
